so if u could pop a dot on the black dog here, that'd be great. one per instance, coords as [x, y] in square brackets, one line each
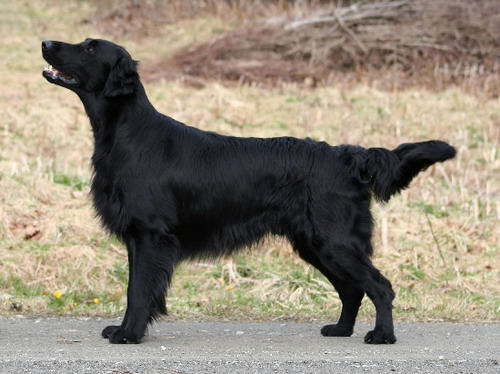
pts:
[172, 192]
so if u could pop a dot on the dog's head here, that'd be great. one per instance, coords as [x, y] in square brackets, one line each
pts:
[92, 66]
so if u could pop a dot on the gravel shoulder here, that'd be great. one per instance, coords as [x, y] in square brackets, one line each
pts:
[73, 345]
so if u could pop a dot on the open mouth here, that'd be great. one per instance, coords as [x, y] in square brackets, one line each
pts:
[57, 75]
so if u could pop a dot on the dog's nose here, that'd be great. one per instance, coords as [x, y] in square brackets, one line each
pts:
[46, 44]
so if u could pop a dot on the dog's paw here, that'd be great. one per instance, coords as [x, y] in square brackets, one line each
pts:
[380, 337]
[336, 330]
[121, 336]
[108, 331]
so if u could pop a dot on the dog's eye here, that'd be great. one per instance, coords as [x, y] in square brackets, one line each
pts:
[89, 49]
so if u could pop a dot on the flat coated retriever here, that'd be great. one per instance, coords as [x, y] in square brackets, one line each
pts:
[172, 192]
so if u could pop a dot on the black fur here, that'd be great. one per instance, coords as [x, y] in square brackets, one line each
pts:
[172, 192]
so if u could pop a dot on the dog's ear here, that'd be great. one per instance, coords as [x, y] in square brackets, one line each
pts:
[123, 78]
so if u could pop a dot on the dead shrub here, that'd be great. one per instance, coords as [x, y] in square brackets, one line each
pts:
[426, 42]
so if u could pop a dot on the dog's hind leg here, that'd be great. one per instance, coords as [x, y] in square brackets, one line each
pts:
[354, 268]
[341, 252]
[345, 249]
[379, 290]
[153, 261]
[350, 294]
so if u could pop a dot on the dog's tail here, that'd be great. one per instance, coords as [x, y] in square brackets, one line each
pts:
[389, 172]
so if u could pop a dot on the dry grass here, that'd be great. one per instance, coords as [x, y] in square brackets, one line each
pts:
[437, 242]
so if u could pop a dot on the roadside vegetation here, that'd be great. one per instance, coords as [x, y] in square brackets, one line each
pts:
[437, 242]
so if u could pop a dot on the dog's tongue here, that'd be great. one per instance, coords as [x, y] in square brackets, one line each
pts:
[64, 74]
[54, 71]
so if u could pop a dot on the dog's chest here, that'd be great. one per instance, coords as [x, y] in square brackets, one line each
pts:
[109, 193]
[109, 202]
[123, 196]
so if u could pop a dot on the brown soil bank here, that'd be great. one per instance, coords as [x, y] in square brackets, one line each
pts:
[434, 43]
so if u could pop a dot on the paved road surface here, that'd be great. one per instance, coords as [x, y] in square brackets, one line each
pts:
[73, 345]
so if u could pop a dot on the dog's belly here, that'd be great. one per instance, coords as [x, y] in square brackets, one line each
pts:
[221, 237]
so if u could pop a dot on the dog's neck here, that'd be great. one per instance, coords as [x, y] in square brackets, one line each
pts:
[106, 114]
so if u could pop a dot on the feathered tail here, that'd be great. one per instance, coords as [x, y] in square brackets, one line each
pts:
[389, 172]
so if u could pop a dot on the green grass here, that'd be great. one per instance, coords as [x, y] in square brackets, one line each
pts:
[73, 182]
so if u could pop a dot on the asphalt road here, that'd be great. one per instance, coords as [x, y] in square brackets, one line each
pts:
[73, 345]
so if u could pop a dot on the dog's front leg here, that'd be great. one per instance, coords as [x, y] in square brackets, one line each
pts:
[109, 330]
[152, 259]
